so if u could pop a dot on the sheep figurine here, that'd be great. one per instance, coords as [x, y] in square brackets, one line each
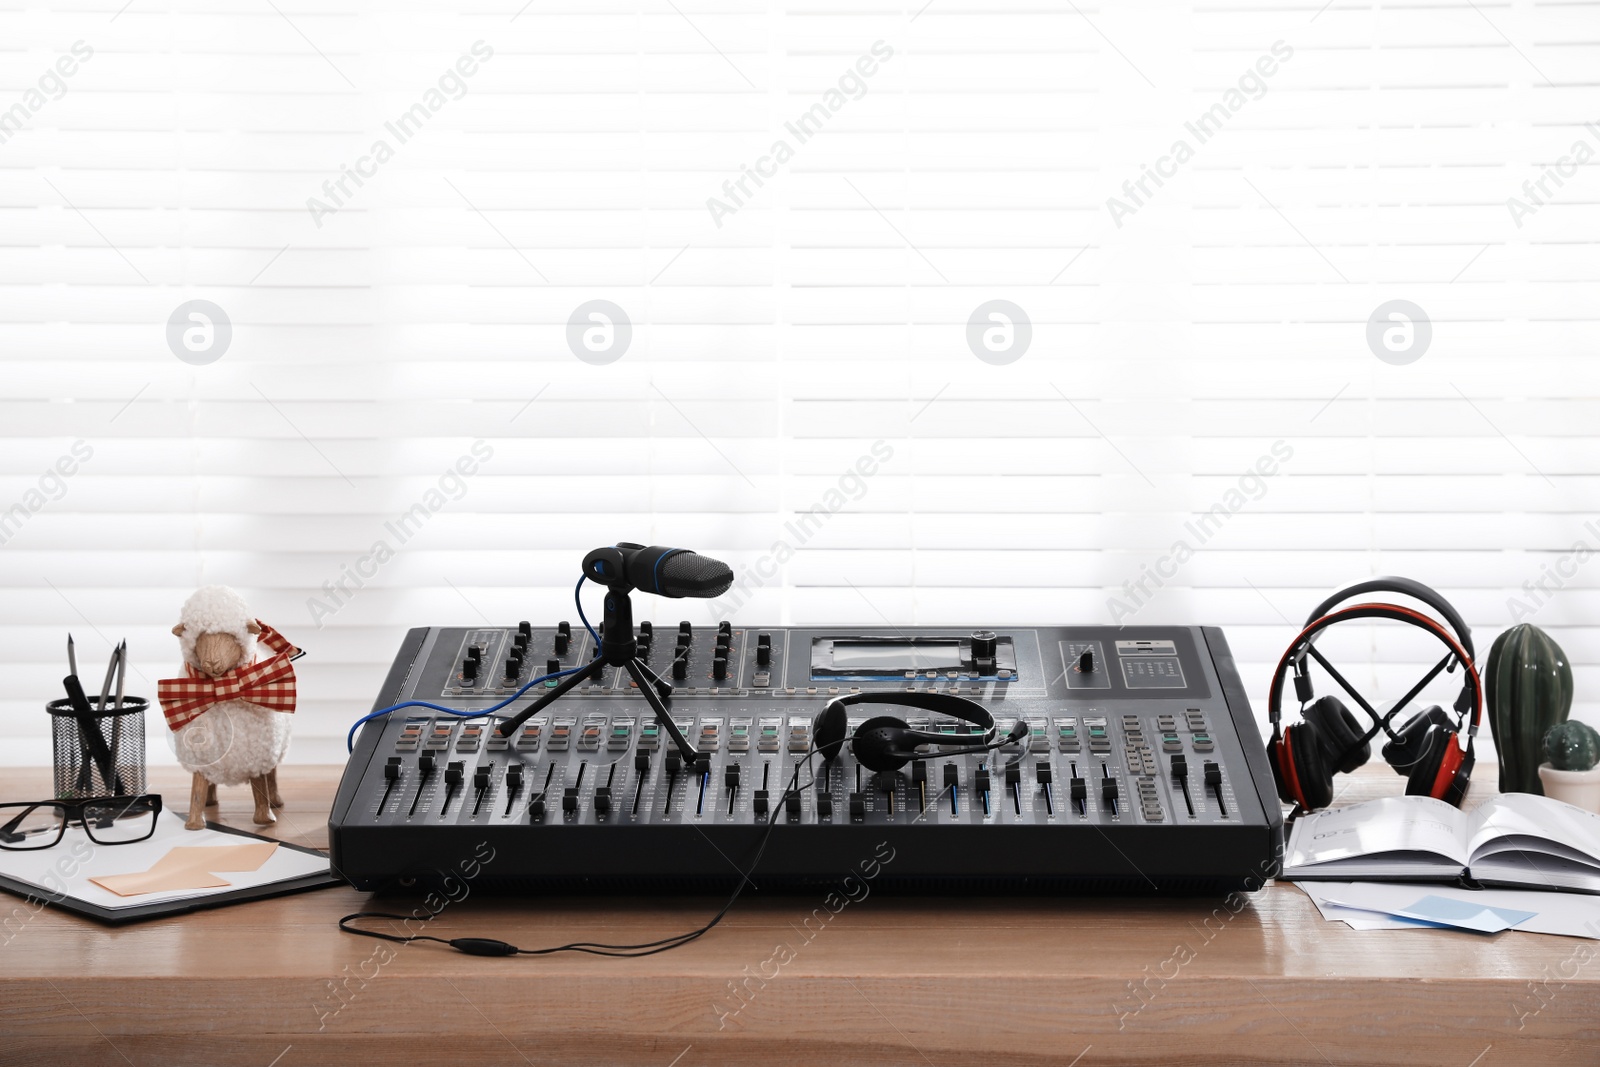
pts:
[230, 715]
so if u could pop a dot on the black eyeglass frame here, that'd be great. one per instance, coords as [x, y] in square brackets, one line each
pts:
[73, 811]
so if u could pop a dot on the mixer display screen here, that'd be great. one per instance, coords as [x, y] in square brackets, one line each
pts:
[897, 655]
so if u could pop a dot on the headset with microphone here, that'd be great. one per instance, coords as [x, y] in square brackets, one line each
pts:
[886, 743]
[1427, 750]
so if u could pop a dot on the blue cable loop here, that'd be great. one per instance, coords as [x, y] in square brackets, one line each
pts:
[475, 713]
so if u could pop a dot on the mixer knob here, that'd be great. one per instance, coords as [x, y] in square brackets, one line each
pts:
[552, 666]
[1086, 661]
[524, 628]
[984, 645]
[564, 628]
[725, 628]
[469, 668]
[680, 668]
[520, 641]
[475, 654]
[513, 666]
[764, 650]
[685, 632]
[563, 642]
[646, 629]
[719, 667]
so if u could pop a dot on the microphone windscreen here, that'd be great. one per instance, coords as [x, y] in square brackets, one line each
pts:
[686, 574]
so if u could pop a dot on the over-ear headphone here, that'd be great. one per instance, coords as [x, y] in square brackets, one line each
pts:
[886, 743]
[1427, 751]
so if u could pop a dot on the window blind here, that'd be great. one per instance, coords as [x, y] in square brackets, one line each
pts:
[935, 313]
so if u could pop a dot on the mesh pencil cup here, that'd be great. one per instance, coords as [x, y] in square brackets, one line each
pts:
[77, 773]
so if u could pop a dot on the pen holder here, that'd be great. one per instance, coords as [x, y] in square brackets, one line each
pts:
[77, 773]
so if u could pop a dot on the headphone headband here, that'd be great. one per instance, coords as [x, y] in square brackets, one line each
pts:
[946, 703]
[1408, 587]
[1373, 611]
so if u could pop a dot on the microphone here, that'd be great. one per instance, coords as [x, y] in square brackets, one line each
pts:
[669, 572]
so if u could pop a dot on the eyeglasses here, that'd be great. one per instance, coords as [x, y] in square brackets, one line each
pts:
[107, 821]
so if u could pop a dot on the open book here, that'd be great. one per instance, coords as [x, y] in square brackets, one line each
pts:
[1515, 839]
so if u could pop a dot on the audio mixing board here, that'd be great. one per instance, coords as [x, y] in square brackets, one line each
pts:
[1142, 768]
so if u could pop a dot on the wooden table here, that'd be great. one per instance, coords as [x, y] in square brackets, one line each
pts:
[1261, 979]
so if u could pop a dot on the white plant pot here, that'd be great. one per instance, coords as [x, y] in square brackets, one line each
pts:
[1581, 789]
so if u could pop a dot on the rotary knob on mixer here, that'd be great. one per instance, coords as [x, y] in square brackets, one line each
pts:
[984, 646]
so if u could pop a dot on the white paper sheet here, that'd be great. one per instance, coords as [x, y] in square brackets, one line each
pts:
[1564, 914]
[65, 869]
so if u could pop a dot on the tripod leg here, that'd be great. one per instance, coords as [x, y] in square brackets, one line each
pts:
[571, 682]
[636, 669]
[662, 687]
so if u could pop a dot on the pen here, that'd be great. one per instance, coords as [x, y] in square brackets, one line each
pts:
[116, 722]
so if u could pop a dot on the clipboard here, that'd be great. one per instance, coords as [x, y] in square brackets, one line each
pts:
[35, 895]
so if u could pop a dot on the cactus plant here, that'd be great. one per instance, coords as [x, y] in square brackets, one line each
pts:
[1572, 746]
[1528, 685]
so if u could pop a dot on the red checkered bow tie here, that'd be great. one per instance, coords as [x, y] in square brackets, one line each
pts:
[269, 684]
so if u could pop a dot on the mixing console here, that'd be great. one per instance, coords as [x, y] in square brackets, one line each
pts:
[1142, 768]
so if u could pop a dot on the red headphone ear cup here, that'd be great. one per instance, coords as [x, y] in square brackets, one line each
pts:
[1311, 783]
[1433, 750]
[1277, 753]
[1311, 767]
[1340, 732]
[1448, 783]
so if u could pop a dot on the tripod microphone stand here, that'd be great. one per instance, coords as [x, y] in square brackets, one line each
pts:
[622, 568]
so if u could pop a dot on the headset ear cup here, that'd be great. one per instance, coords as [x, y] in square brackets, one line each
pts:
[879, 744]
[1310, 767]
[828, 729]
[1340, 733]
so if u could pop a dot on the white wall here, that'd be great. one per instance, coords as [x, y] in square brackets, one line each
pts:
[773, 344]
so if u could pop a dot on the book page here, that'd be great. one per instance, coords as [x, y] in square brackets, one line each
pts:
[1391, 826]
[1532, 820]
